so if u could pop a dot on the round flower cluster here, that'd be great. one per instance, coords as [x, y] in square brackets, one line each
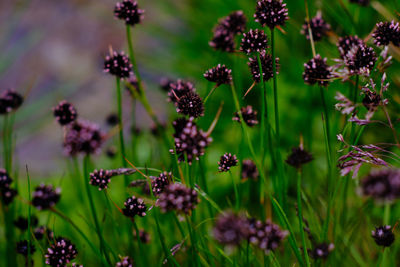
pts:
[266, 65]
[128, 11]
[298, 157]
[249, 116]
[118, 64]
[10, 101]
[254, 41]
[82, 137]
[360, 60]
[271, 13]
[178, 89]
[134, 206]
[249, 169]
[387, 32]
[346, 43]
[319, 28]
[219, 75]
[230, 228]
[190, 104]
[65, 113]
[160, 182]
[60, 253]
[316, 71]
[383, 235]
[382, 184]
[177, 197]
[226, 162]
[45, 196]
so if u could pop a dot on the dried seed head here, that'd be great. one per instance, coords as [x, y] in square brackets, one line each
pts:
[360, 60]
[234, 23]
[60, 253]
[190, 142]
[387, 32]
[317, 71]
[65, 113]
[271, 13]
[249, 169]
[177, 197]
[383, 236]
[267, 236]
[134, 206]
[254, 41]
[83, 137]
[45, 196]
[125, 262]
[219, 75]
[249, 116]
[178, 89]
[346, 43]
[222, 40]
[128, 11]
[100, 178]
[190, 104]
[22, 247]
[160, 182]
[319, 28]
[230, 228]
[321, 251]
[118, 64]
[226, 162]
[298, 157]
[266, 65]
[10, 101]
[382, 184]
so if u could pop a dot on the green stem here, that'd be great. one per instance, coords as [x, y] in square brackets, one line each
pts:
[121, 128]
[263, 110]
[386, 214]
[300, 213]
[29, 217]
[275, 87]
[237, 203]
[92, 206]
[132, 56]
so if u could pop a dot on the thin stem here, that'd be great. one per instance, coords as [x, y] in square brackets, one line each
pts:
[263, 110]
[121, 128]
[300, 213]
[237, 203]
[92, 206]
[386, 214]
[132, 56]
[210, 93]
[275, 87]
[29, 218]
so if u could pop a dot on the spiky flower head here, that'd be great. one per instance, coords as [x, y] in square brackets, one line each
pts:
[125, 262]
[219, 75]
[360, 60]
[65, 113]
[360, 2]
[100, 178]
[383, 235]
[383, 185]
[190, 142]
[134, 206]
[83, 137]
[222, 40]
[190, 104]
[266, 235]
[10, 100]
[230, 228]
[60, 253]
[271, 13]
[254, 41]
[45, 196]
[234, 23]
[226, 162]
[387, 32]
[128, 11]
[266, 65]
[118, 64]
[249, 169]
[178, 89]
[298, 157]
[22, 247]
[345, 44]
[322, 251]
[160, 182]
[319, 28]
[249, 116]
[177, 197]
[317, 71]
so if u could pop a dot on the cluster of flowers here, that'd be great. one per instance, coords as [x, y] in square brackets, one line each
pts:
[6, 192]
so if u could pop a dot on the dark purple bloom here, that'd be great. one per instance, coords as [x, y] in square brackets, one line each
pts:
[387, 32]
[22, 247]
[226, 162]
[219, 75]
[230, 228]
[234, 23]
[190, 104]
[382, 184]
[319, 28]
[254, 41]
[178, 89]
[222, 40]
[160, 182]
[266, 65]
[383, 236]
[118, 64]
[345, 44]
[267, 236]
[128, 11]
[271, 13]
[65, 113]
[60, 253]
[45, 196]
[177, 197]
[249, 116]
[134, 206]
[317, 71]
[249, 169]
[298, 157]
